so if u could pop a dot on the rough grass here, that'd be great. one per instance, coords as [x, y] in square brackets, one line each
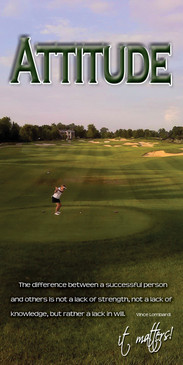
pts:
[129, 229]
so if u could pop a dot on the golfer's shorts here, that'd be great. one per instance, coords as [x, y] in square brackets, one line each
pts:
[55, 200]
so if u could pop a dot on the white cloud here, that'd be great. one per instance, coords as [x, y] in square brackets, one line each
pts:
[175, 20]
[10, 9]
[159, 13]
[14, 8]
[96, 6]
[65, 31]
[155, 6]
[100, 7]
[153, 14]
[172, 114]
[59, 3]
[167, 5]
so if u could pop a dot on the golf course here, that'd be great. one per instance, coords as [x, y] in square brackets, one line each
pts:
[121, 221]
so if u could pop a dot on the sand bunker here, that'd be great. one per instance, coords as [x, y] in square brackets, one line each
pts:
[106, 141]
[44, 144]
[131, 144]
[107, 145]
[117, 145]
[161, 154]
[147, 144]
[123, 139]
[128, 144]
[140, 144]
[93, 142]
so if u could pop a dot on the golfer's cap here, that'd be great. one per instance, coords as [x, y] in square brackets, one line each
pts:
[64, 186]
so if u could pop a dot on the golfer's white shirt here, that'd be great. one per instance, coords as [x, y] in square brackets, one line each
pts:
[58, 194]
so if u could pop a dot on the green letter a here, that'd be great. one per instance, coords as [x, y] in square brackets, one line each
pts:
[30, 66]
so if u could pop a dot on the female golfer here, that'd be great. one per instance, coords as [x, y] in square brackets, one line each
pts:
[56, 197]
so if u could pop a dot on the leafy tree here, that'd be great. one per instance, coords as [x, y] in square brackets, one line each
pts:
[92, 132]
[176, 132]
[138, 133]
[121, 133]
[154, 134]
[45, 132]
[162, 133]
[104, 132]
[54, 132]
[71, 126]
[61, 126]
[110, 135]
[26, 133]
[80, 131]
[129, 133]
[35, 132]
[15, 130]
[5, 129]
[147, 133]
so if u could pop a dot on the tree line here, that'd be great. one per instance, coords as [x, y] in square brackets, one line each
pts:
[12, 132]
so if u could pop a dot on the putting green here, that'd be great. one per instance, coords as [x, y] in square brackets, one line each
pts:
[75, 223]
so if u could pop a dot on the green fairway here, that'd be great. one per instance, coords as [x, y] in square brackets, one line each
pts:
[121, 221]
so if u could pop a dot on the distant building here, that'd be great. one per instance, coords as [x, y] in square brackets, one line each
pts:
[67, 134]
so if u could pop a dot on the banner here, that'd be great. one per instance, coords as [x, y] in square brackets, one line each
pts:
[91, 154]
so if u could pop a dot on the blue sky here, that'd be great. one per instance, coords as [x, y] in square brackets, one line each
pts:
[119, 106]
